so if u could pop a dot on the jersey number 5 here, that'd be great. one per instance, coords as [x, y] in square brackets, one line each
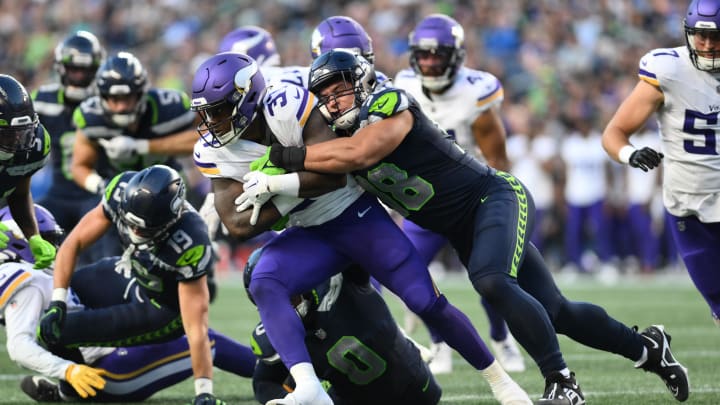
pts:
[707, 131]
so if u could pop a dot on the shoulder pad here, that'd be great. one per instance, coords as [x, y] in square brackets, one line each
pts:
[655, 66]
[385, 103]
[13, 277]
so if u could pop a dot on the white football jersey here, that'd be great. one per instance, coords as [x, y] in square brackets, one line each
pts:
[455, 110]
[25, 293]
[277, 75]
[689, 124]
[286, 108]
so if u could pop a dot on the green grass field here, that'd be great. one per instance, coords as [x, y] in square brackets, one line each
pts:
[605, 378]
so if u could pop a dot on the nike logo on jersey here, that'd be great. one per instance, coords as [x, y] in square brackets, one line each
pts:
[363, 212]
[482, 200]
[197, 154]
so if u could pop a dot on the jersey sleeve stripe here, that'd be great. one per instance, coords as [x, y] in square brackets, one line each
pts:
[306, 107]
[498, 94]
[649, 77]
[9, 287]
[206, 168]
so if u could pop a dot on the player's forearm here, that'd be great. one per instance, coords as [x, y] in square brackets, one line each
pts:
[614, 140]
[24, 351]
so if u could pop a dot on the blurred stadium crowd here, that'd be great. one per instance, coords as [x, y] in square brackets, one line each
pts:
[565, 65]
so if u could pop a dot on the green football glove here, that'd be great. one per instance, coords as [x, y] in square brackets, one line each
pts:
[263, 164]
[4, 239]
[42, 250]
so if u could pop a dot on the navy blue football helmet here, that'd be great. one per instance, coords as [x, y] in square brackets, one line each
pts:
[151, 203]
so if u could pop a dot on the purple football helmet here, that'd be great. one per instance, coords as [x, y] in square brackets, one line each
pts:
[703, 18]
[442, 36]
[342, 34]
[225, 92]
[254, 42]
[17, 247]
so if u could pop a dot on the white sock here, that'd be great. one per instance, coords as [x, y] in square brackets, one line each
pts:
[494, 374]
[565, 372]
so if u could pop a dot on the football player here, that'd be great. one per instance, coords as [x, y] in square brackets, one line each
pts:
[77, 58]
[410, 163]
[680, 86]
[99, 374]
[346, 320]
[466, 104]
[240, 118]
[128, 125]
[24, 149]
[166, 248]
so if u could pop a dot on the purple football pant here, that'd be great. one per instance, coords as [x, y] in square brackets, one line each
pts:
[137, 372]
[698, 244]
[428, 244]
[299, 259]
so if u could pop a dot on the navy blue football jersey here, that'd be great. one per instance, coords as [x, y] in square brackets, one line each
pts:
[355, 345]
[55, 113]
[184, 254]
[428, 178]
[166, 112]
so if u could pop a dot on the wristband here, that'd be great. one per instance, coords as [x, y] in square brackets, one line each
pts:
[59, 294]
[285, 184]
[92, 182]
[203, 385]
[625, 153]
[142, 146]
[290, 158]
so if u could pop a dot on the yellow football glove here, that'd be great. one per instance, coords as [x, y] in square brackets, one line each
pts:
[85, 379]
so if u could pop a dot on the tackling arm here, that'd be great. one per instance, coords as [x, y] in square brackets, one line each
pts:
[365, 148]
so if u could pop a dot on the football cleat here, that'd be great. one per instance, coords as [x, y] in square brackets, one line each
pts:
[508, 355]
[661, 361]
[441, 362]
[40, 389]
[561, 391]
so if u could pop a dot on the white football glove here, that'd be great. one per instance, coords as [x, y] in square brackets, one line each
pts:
[256, 194]
[124, 147]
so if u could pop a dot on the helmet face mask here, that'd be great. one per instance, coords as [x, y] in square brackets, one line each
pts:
[77, 59]
[226, 91]
[702, 24]
[122, 76]
[151, 203]
[341, 33]
[335, 67]
[18, 120]
[442, 39]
